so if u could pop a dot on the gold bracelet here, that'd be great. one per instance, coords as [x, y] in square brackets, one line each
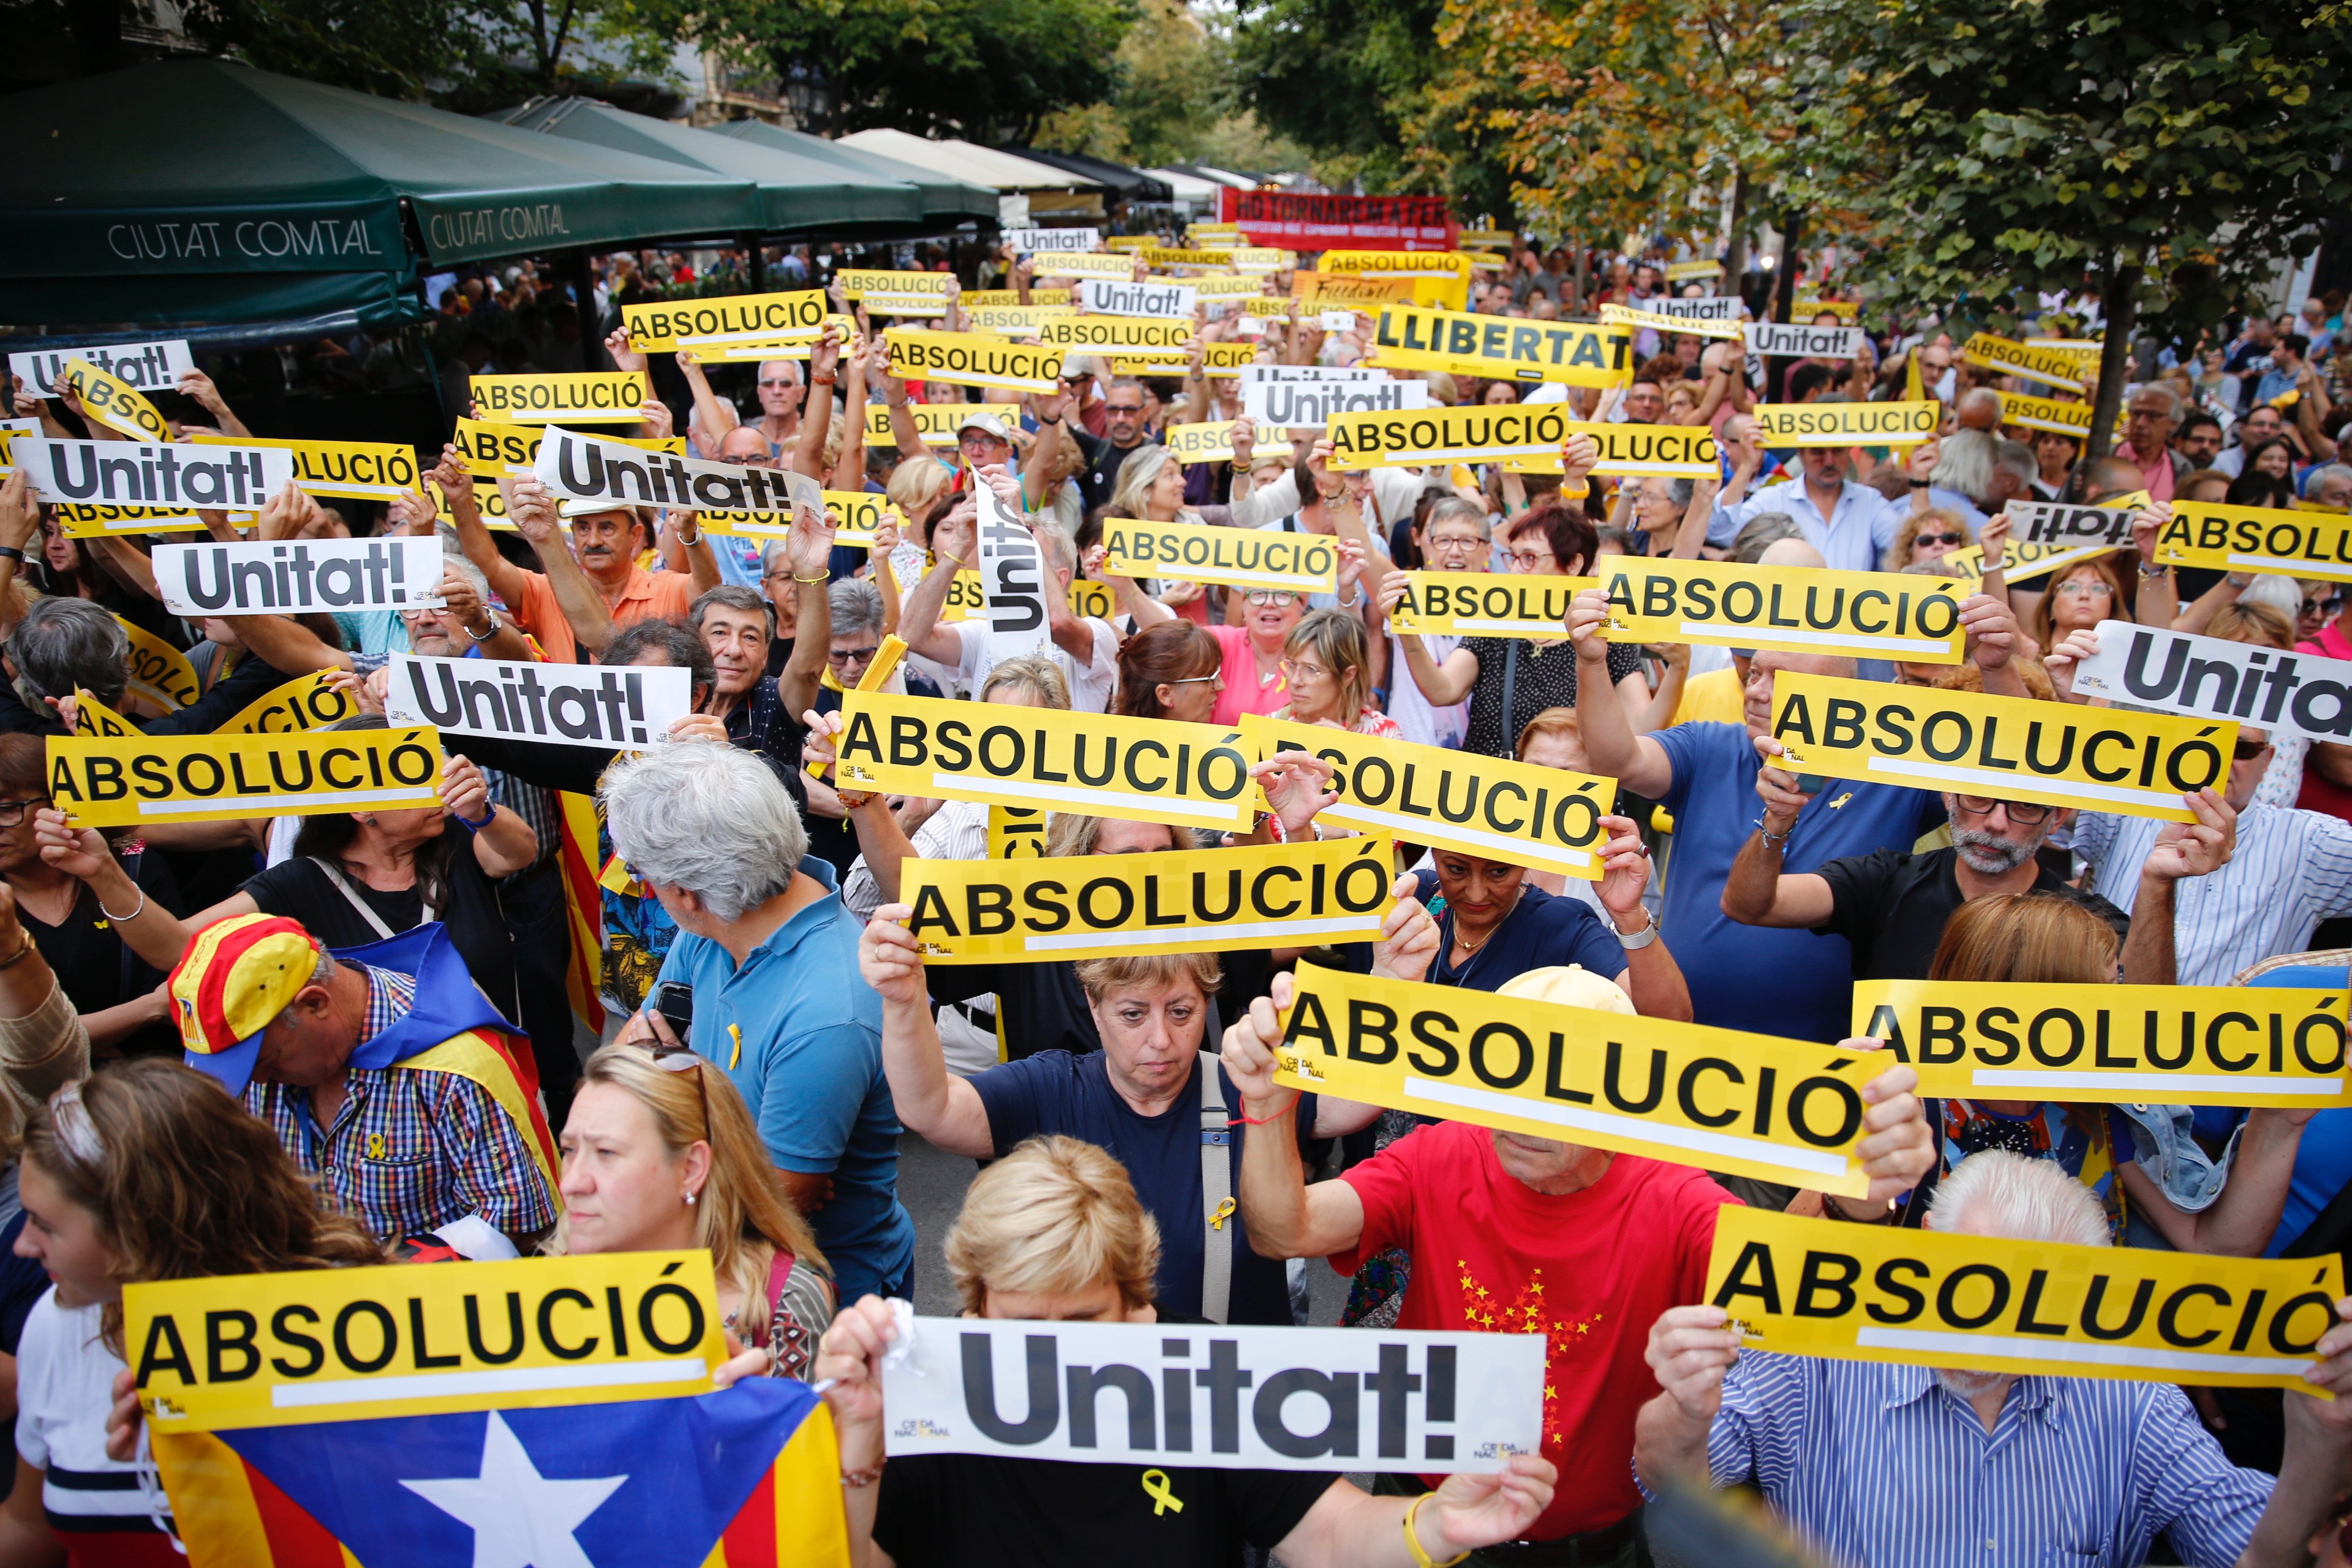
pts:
[16, 957]
[820, 577]
[1413, 1542]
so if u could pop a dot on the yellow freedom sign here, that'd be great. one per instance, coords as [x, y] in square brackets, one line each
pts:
[2045, 413]
[2053, 367]
[1240, 557]
[1409, 338]
[670, 324]
[969, 359]
[1748, 1105]
[1847, 423]
[83, 520]
[361, 470]
[936, 421]
[570, 397]
[220, 778]
[305, 702]
[1979, 1303]
[1486, 604]
[856, 516]
[490, 451]
[2006, 748]
[1871, 615]
[159, 672]
[1627, 315]
[1144, 770]
[1497, 809]
[2257, 539]
[1186, 900]
[1212, 442]
[2120, 1045]
[114, 402]
[340, 1344]
[1337, 290]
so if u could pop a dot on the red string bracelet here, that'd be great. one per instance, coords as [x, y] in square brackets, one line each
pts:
[1296, 1097]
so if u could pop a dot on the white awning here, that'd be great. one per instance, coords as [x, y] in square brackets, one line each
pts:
[964, 160]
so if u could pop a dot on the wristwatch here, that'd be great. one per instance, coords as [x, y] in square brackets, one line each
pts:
[1631, 940]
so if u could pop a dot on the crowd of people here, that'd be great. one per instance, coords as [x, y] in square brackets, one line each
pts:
[345, 1037]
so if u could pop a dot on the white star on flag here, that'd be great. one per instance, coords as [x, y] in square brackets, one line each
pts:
[520, 1519]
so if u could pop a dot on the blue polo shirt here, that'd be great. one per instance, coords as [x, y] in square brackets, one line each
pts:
[809, 1066]
[1787, 983]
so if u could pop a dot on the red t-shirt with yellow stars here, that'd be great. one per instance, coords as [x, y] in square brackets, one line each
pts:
[1591, 1271]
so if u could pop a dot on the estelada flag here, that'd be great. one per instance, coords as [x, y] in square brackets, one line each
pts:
[567, 1421]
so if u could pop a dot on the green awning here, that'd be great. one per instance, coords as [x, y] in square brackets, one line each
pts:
[213, 192]
[797, 193]
[946, 201]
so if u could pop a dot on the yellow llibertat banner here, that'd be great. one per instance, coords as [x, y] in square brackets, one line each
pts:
[223, 777]
[305, 702]
[325, 1344]
[115, 402]
[936, 422]
[587, 397]
[1985, 1303]
[1488, 604]
[1144, 770]
[1847, 423]
[1111, 906]
[971, 359]
[1493, 807]
[667, 325]
[2116, 1045]
[1409, 338]
[2257, 539]
[2005, 748]
[489, 450]
[1801, 609]
[1238, 557]
[159, 672]
[1747, 1105]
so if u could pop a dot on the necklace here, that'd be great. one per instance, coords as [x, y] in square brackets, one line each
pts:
[1472, 947]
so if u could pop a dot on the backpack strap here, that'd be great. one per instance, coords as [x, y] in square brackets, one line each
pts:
[1217, 1204]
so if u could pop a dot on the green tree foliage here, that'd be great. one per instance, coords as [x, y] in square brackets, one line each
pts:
[1172, 71]
[2167, 155]
[987, 70]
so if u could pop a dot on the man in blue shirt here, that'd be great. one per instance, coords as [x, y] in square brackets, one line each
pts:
[771, 954]
[1850, 524]
[1793, 984]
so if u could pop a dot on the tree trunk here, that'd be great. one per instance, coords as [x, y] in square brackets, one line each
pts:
[1735, 249]
[2119, 303]
[1784, 300]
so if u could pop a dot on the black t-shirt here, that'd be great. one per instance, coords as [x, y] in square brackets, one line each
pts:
[299, 890]
[93, 966]
[978, 1510]
[1545, 677]
[1892, 907]
[1100, 475]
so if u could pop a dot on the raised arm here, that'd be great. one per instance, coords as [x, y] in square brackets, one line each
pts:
[942, 1108]
[197, 385]
[1637, 762]
[816, 409]
[953, 538]
[1285, 1217]
[806, 549]
[903, 428]
[714, 415]
[1758, 892]
[849, 463]
[532, 510]
[455, 483]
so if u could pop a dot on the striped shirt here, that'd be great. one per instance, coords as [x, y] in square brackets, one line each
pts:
[1884, 1467]
[411, 1150]
[2291, 871]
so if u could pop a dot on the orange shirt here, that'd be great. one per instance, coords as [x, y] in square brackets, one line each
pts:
[647, 596]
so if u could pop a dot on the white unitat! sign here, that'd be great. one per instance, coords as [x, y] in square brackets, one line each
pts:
[1781, 341]
[144, 367]
[1698, 308]
[1308, 374]
[300, 576]
[567, 704]
[583, 468]
[1284, 404]
[133, 473]
[1221, 1398]
[1166, 302]
[1032, 240]
[2208, 678]
[1013, 582]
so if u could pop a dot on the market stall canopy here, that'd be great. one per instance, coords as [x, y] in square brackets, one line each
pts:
[797, 193]
[1189, 189]
[963, 160]
[947, 201]
[234, 195]
[1127, 184]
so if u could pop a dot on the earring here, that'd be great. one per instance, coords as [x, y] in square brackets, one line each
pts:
[689, 1200]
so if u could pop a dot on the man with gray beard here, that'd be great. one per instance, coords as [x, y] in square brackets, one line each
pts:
[1905, 1466]
[1891, 906]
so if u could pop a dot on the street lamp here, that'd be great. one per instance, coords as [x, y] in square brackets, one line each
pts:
[809, 97]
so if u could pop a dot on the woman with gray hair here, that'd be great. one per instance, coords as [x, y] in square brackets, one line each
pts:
[755, 975]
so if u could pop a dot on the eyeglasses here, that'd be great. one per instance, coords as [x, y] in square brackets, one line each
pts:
[2088, 588]
[1300, 670]
[2247, 750]
[682, 1058]
[1196, 679]
[2021, 813]
[851, 655]
[2323, 606]
[12, 812]
[1075, 380]
[770, 381]
[1116, 408]
[1269, 596]
[1939, 539]
[1528, 560]
[1455, 542]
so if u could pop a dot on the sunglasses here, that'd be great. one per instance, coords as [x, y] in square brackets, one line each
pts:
[2247, 750]
[851, 655]
[1939, 539]
[681, 1059]
[2022, 813]
[772, 383]
[2323, 606]
[1128, 409]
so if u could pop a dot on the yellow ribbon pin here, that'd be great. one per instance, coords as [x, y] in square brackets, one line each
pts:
[1163, 1496]
[1224, 1212]
[375, 1145]
[735, 1032]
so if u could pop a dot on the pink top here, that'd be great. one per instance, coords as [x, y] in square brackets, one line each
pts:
[2157, 474]
[1243, 693]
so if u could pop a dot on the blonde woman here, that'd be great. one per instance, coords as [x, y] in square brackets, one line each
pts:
[1052, 1232]
[660, 1155]
[1327, 662]
[1150, 488]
